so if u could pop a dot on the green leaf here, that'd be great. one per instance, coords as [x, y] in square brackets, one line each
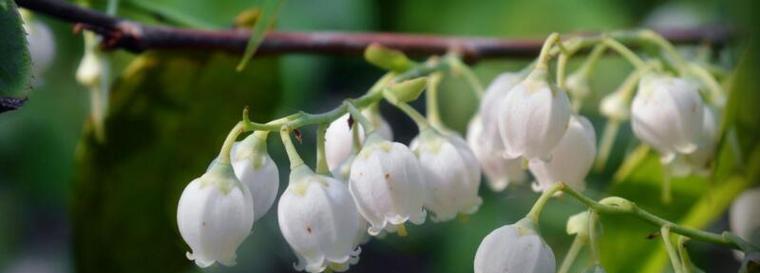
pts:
[168, 118]
[15, 67]
[269, 12]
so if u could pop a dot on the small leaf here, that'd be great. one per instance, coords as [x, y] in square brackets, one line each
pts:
[15, 67]
[269, 12]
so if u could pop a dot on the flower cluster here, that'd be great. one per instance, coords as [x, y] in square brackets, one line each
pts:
[366, 184]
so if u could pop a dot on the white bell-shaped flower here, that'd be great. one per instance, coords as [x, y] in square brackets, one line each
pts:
[514, 248]
[533, 117]
[319, 220]
[215, 215]
[571, 160]
[745, 216]
[256, 169]
[342, 173]
[698, 161]
[499, 171]
[491, 102]
[451, 174]
[387, 186]
[667, 114]
[339, 140]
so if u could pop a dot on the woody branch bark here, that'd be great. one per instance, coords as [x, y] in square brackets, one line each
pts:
[136, 37]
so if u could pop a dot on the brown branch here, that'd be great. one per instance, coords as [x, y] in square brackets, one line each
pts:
[136, 37]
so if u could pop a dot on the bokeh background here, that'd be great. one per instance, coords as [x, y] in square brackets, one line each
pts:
[71, 204]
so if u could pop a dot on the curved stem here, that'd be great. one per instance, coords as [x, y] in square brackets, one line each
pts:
[593, 58]
[545, 55]
[224, 153]
[419, 119]
[626, 53]
[359, 117]
[725, 239]
[561, 66]
[321, 157]
[538, 206]
[667, 47]
[431, 100]
[605, 145]
[572, 253]
[593, 220]
[290, 149]
[672, 254]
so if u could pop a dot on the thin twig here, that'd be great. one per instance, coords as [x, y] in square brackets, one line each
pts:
[136, 37]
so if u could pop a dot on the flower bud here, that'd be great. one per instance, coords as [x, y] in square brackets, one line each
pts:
[451, 174]
[405, 91]
[745, 217]
[386, 58]
[615, 106]
[514, 248]
[578, 224]
[533, 117]
[339, 140]
[570, 160]
[577, 85]
[215, 215]
[256, 169]
[89, 71]
[319, 220]
[386, 183]
[488, 150]
[667, 114]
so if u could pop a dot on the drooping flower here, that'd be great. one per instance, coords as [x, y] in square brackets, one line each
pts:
[338, 138]
[451, 174]
[319, 220]
[699, 160]
[256, 169]
[499, 171]
[667, 114]
[386, 183]
[215, 215]
[533, 117]
[745, 216]
[514, 248]
[490, 105]
[570, 160]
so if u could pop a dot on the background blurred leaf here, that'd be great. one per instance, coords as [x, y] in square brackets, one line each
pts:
[15, 63]
[170, 113]
[199, 14]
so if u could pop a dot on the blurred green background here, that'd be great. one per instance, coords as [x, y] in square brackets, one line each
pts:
[71, 204]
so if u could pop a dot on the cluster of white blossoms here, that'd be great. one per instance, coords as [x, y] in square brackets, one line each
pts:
[366, 184]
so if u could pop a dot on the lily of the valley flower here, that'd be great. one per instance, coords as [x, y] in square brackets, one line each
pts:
[386, 183]
[533, 117]
[256, 169]
[514, 248]
[570, 160]
[499, 171]
[318, 219]
[667, 114]
[215, 215]
[698, 161]
[451, 174]
[338, 138]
